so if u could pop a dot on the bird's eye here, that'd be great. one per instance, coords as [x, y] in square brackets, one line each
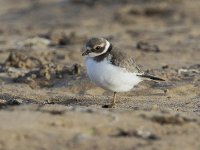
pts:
[98, 47]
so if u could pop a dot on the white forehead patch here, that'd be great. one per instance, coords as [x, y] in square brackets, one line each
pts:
[104, 51]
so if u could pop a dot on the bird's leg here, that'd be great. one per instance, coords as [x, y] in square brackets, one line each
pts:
[113, 102]
[114, 97]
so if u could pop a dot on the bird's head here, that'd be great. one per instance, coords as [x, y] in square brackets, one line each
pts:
[95, 47]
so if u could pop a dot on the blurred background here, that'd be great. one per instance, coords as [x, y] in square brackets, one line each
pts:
[42, 39]
[157, 33]
[47, 100]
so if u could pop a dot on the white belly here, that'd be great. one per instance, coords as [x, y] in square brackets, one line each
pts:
[111, 77]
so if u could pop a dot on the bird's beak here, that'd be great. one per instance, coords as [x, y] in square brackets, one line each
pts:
[85, 51]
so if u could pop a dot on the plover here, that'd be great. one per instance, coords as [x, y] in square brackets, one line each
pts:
[111, 68]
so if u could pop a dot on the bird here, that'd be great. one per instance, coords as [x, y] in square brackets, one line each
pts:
[112, 68]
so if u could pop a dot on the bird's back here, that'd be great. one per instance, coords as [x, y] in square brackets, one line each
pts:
[124, 60]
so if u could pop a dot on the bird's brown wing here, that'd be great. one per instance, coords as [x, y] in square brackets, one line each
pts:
[123, 60]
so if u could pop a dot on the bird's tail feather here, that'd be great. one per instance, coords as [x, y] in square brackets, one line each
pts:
[151, 77]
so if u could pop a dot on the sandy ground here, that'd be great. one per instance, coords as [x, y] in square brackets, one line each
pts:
[47, 100]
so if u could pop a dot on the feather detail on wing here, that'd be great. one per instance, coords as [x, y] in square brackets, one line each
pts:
[123, 60]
